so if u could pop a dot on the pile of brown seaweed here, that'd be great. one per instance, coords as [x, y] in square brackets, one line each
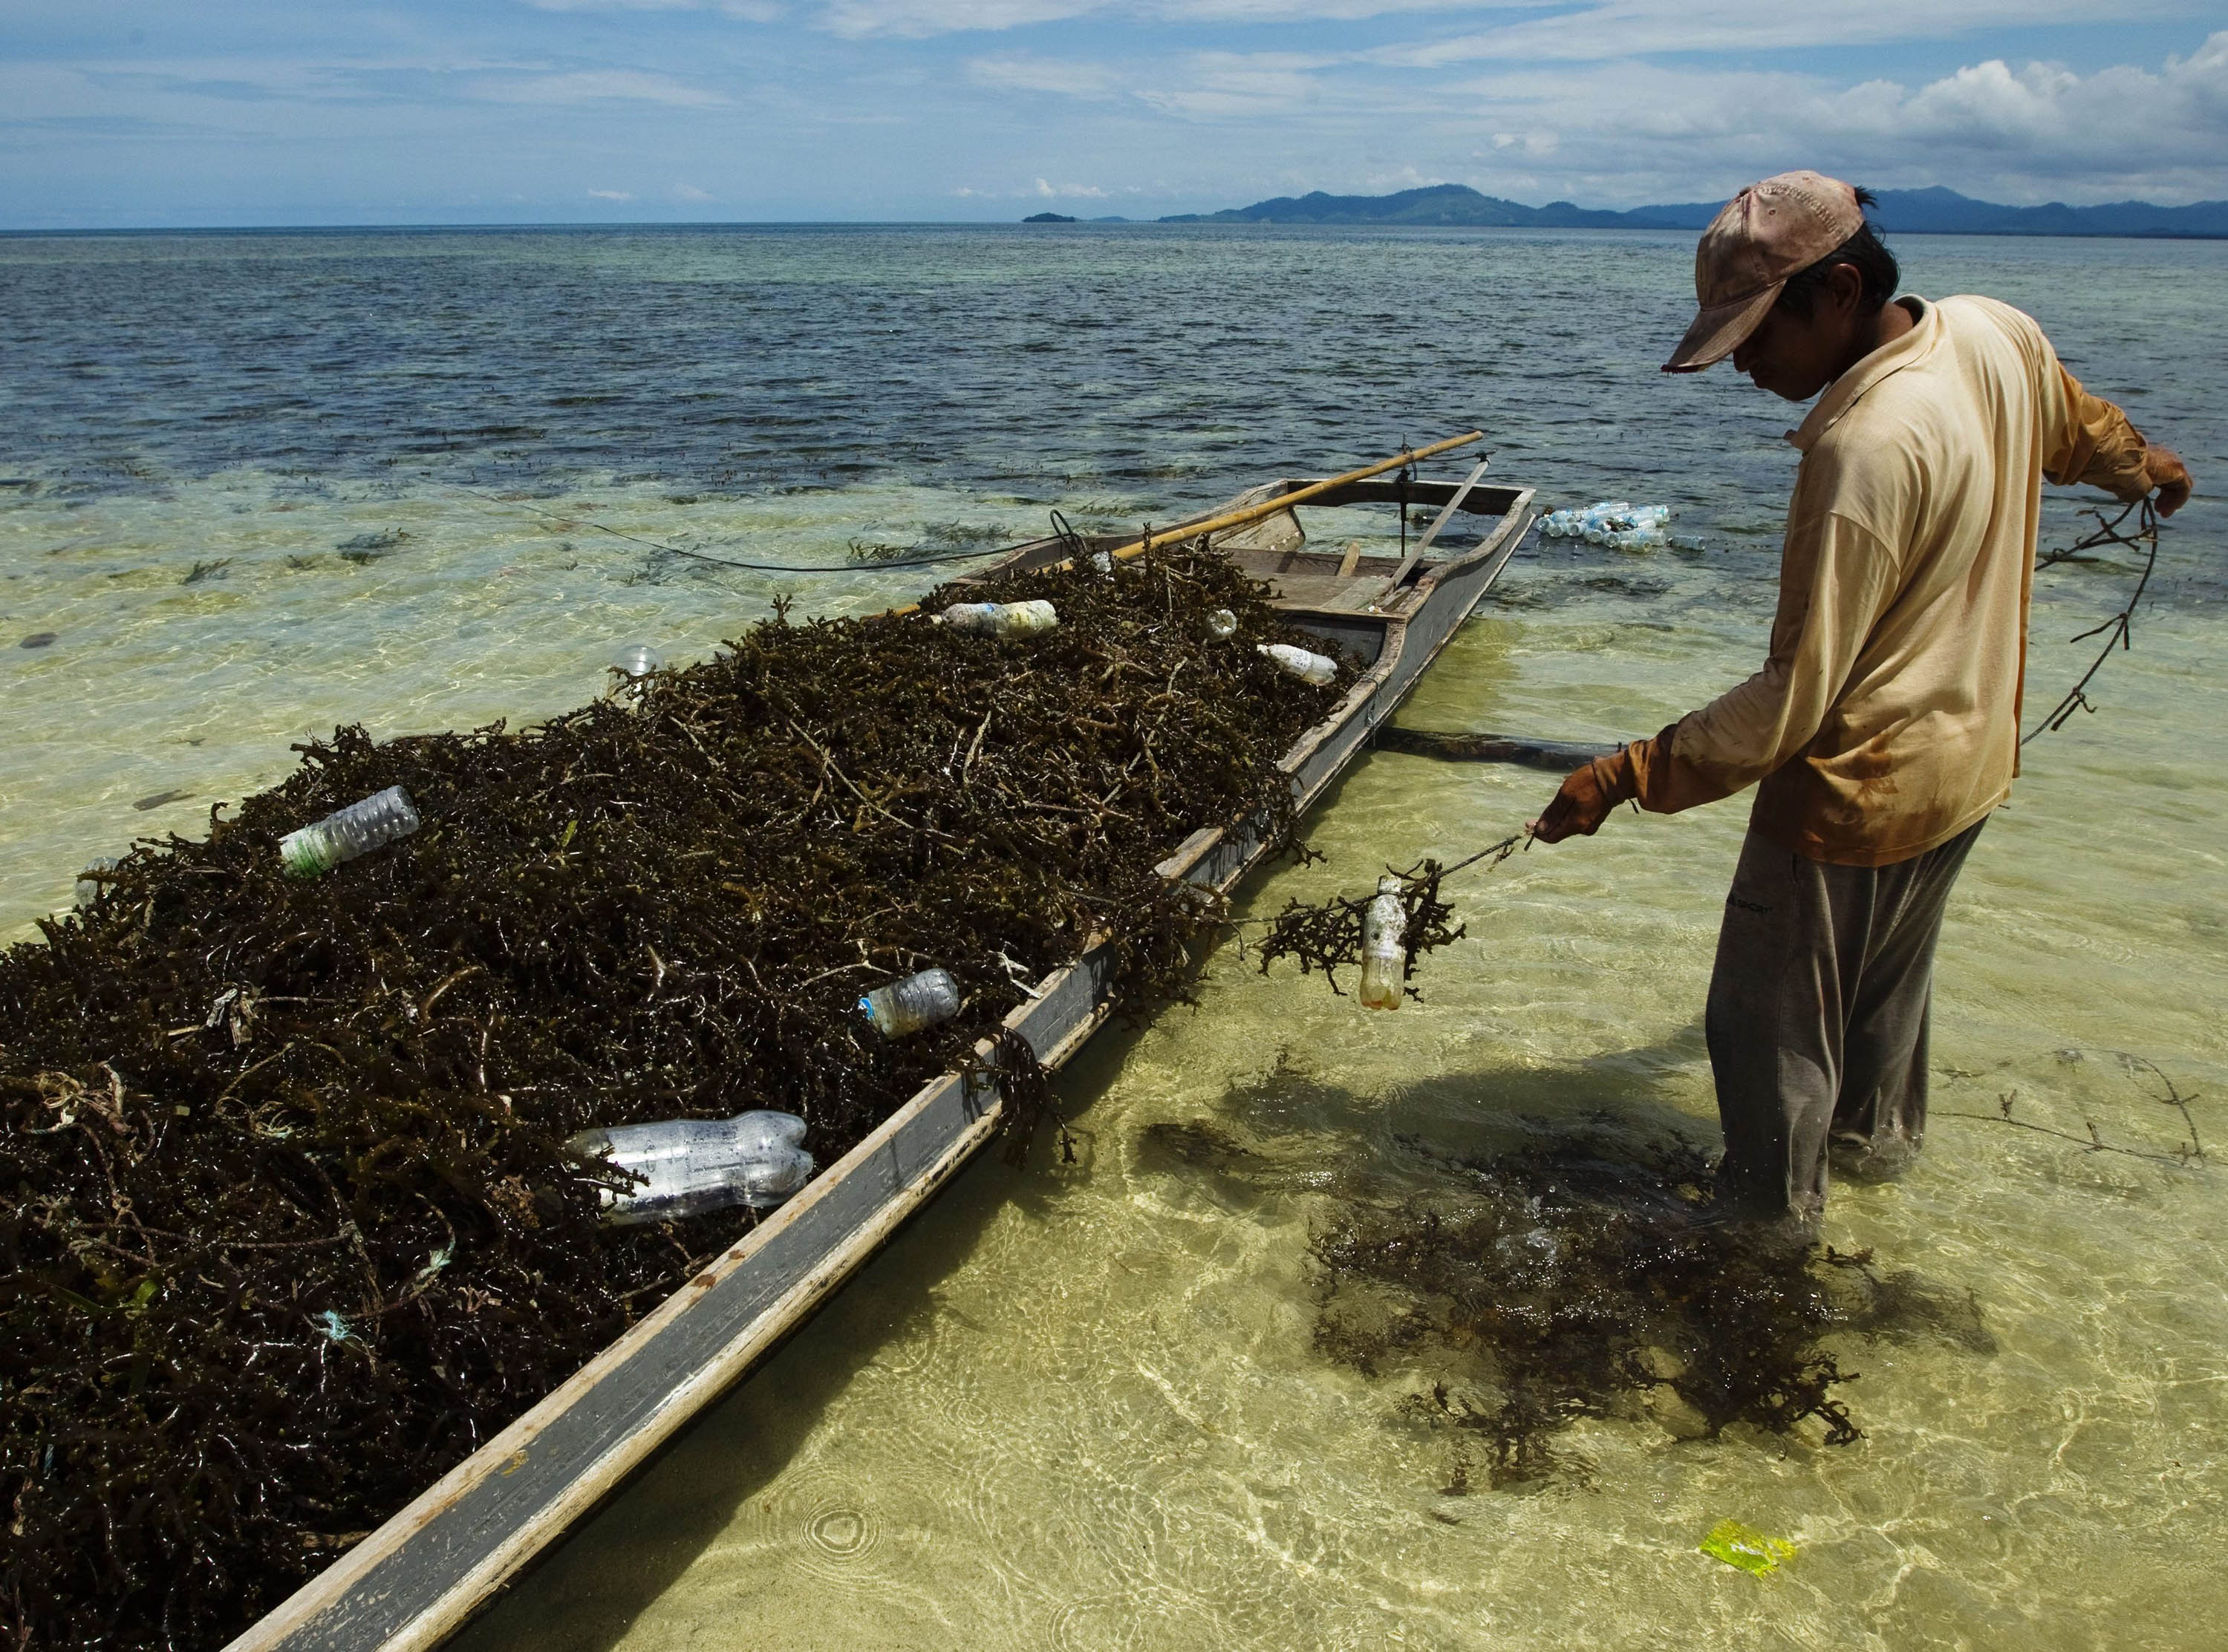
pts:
[289, 1227]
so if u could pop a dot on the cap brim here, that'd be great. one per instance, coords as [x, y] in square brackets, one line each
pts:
[1719, 330]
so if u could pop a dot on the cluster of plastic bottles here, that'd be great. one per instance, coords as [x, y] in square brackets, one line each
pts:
[690, 1167]
[693, 1165]
[1614, 522]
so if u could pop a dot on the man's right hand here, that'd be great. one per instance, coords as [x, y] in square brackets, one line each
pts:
[2169, 477]
[1587, 796]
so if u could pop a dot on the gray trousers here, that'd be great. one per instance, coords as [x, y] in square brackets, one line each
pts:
[1817, 1021]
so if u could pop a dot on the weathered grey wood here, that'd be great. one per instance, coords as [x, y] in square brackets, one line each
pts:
[1560, 756]
[1353, 594]
[420, 1575]
[1446, 514]
[1493, 501]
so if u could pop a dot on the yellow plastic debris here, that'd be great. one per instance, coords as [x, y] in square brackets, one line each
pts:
[1740, 1546]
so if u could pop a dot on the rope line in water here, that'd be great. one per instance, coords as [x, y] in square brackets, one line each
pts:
[1499, 853]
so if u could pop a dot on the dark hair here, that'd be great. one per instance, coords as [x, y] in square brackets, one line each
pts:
[1863, 252]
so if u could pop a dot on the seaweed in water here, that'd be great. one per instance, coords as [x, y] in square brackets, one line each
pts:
[1571, 1281]
[1327, 934]
[291, 1228]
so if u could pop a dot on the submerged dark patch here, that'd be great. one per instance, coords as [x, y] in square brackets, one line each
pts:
[1549, 1284]
[290, 1225]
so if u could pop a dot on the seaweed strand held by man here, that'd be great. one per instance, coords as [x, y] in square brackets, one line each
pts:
[1883, 728]
[292, 1225]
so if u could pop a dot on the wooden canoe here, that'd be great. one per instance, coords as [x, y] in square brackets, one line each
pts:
[417, 1579]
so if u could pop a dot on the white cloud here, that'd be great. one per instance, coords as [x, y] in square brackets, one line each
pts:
[1613, 102]
[1254, 84]
[1628, 28]
[593, 86]
[916, 19]
[1631, 132]
[1203, 84]
[756, 11]
[1624, 133]
[1096, 81]
[1039, 189]
[610, 195]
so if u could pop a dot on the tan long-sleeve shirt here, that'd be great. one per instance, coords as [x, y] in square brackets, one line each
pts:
[1886, 719]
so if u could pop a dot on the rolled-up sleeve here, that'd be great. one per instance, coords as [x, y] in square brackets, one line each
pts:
[1836, 577]
[2090, 440]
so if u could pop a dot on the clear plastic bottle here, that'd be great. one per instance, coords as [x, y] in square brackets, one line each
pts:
[1222, 624]
[1308, 667]
[636, 661]
[699, 1164]
[908, 1006]
[1001, 619]
[88, 885]
[1384, 948]
[357, 829]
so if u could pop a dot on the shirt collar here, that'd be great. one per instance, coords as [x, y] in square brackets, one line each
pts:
[1842, 393]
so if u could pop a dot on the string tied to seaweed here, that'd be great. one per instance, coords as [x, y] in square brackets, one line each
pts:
[1328, 934]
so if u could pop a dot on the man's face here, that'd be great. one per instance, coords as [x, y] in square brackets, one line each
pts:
[1794, 356]
[1797, 356]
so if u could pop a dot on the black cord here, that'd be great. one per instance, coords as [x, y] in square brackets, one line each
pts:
[1070, 540]
[729, 562]
[1498, 851]
[2118, 631]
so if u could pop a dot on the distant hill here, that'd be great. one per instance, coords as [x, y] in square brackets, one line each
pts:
[1444, 203]
[1934, 211]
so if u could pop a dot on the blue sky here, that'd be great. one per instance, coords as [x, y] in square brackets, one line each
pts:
[250, 112]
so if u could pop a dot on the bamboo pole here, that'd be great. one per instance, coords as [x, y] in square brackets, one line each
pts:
[1268, 507]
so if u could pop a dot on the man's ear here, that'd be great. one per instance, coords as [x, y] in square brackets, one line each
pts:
[1845, 286]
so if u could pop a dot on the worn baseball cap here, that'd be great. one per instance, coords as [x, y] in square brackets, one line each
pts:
[1766, 233]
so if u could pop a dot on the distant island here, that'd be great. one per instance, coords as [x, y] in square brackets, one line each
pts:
[1934, 211]
[1048, 218]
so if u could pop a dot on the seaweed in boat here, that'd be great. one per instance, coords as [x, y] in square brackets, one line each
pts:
[290, 1225]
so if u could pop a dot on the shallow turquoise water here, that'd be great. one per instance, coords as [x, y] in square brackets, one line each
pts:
[1078, 1405]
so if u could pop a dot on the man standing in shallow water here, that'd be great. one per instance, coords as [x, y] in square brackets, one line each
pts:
[1884, 725]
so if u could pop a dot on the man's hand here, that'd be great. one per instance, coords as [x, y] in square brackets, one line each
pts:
[2169, 477]
[1587, 796]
